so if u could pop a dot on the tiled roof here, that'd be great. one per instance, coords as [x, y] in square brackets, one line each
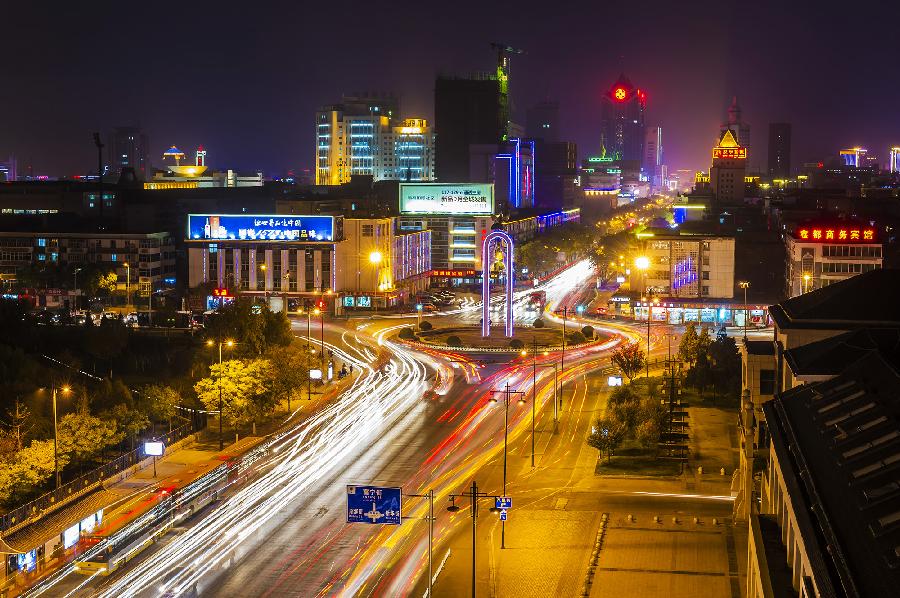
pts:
[840, 442]
[832, 355]
[866, 300]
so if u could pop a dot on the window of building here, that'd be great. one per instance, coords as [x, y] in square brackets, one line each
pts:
[368, 230]
[113, 257]
[705, 275]
[42, 242]
[704, 290]
[766, 382]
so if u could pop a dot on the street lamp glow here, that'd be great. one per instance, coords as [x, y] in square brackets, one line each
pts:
[642, 263]
[375, 257]
[229, 343]
[524, 352]
[316, 311]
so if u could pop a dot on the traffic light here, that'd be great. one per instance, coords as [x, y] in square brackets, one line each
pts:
[320, 304]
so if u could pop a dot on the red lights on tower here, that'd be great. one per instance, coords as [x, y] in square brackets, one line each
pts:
[620, 93]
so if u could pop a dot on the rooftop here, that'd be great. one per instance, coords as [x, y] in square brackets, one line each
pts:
[868, 300]
[838, 445]
[760, 347]
[831, 355]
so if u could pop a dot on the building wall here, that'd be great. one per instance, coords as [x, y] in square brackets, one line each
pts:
[354, 271]
[150, 255]
[688, 266]
[727, 180]
[826, 263]
[291, 268]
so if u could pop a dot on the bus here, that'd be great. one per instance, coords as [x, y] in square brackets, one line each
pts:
[537, 301]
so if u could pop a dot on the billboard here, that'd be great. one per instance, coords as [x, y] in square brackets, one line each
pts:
[447, 199]
[259, 227]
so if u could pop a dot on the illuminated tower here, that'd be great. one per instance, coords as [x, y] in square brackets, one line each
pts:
[201, 157]
[622, 124]
[895, 156]
[738, 127]
[779, 150]
[729, 164]
[853, 156]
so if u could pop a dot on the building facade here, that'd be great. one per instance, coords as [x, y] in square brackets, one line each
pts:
[139, 256]
[729, 165]
[542, 122]
[779, 150]
[129, 147]
[686, 266]
[467, 111]
[823, 254]
[622, 135]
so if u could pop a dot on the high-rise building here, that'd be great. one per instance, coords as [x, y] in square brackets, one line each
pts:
[738, 127]
[729, 164]
[622, 124]
[653, 158]
[894, 159]
[363, 135]
[129, 148]
[467, 111]
[542, 122]
[779, 150]
[8, 169]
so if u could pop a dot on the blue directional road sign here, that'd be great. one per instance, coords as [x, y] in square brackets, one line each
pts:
[503, 516]
[503, 502]
[373, 504]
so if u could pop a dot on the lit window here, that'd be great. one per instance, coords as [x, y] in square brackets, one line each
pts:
[113, 257]
[42, 242]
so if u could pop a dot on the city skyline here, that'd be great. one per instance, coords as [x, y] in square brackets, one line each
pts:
[249, 92]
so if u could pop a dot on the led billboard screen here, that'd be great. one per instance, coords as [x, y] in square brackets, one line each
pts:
[259, 227]
[447, 199]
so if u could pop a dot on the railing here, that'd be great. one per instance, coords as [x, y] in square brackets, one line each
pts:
[24, 514]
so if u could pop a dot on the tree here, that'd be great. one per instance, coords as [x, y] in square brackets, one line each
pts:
[106, 283]
[700, 374]
[19, 424]
[588, 332]
[725, 366]
[653, 416]
[454, 341]
[539, 323]
[82, 436]
[288, 372]
[128, 422]
[254, 327]
[159, 402]
[426, 326]
[629, 359]
[576, 338]
[625, 406]
[687, 350]
[241, 381]
[29, 469]
[407, 334]
[606, 435]
[516, 344]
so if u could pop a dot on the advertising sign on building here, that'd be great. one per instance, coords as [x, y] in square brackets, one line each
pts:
[447, 199]
[258, 227]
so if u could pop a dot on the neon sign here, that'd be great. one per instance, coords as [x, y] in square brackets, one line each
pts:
[734, 153]
[839, 234]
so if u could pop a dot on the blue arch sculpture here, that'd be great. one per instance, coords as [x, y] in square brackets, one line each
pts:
[492, 238]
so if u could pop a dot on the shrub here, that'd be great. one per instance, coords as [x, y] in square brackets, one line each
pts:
[588, 332]
[407, 334]
[453, 341]
[576, 338]
[539, 323]
[425, 326]
[516, 344]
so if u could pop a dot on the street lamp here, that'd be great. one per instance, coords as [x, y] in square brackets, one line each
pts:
[77, 270]
[228, 343]
[474, 496]
[507, 393]
[745, 285]
[375, 259]
[806, 278]
[127, 285]
[419, 307]
[263, 269]
[65, 389]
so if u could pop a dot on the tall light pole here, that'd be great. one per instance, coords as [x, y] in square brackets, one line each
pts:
[127, 285]
[642, 263]
[263, 269]
[77, 270]
[64, 389]
[229, 344]
[806, 278]
[507, 393]
[474, 496]
[562, 360]
[745, 285]
[285, 284]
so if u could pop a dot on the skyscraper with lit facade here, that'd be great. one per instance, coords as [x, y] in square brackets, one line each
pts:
[363, 135]
[622, 134]
[729, 165]
[780, 150]
[128, 148]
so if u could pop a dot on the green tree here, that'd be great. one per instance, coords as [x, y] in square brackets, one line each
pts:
[725, 365]
[425, 325]
[128, 423]
[516, 344]
[28, 470]
[539, 323]
[588, 332]
[254, 327]
[288, 372]
[83, 436]
[454, 341]
[625, 406]
[630, 359]
[407, 334]
[159, 402]
[606, 435]
[687, 350]
[241, 381]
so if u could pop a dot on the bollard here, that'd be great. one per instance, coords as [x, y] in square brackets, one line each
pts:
[675, 520]
[715, 521]
[722, 471]
[696, 521]
[630, 518]
[656, 519]
[700, 470]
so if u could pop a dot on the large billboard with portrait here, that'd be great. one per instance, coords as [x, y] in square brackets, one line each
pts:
[447, 199]
[260, 227]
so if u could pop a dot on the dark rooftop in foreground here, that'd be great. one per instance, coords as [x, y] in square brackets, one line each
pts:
[760, 347]
[868, 300]
[839, 442]
[831, 355]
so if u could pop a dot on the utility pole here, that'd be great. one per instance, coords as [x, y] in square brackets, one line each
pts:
[473, 495]
[745, 285]
[562, 361]
[507, 394]
[99, 145]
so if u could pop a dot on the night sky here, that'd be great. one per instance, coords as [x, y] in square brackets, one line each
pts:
[244, 78]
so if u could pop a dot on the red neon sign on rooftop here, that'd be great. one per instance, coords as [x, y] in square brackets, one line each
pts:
[830, 234]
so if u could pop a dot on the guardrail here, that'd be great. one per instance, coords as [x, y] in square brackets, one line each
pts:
[21, 516]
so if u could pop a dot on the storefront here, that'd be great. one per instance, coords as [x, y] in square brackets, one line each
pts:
[712, 313]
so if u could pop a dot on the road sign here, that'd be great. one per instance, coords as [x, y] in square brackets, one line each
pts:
[503, 502]
[373, 504]
[503, 515]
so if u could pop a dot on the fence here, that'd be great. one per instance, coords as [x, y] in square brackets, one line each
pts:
[24, 514]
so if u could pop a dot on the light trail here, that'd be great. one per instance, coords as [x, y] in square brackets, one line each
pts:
[302, 457]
